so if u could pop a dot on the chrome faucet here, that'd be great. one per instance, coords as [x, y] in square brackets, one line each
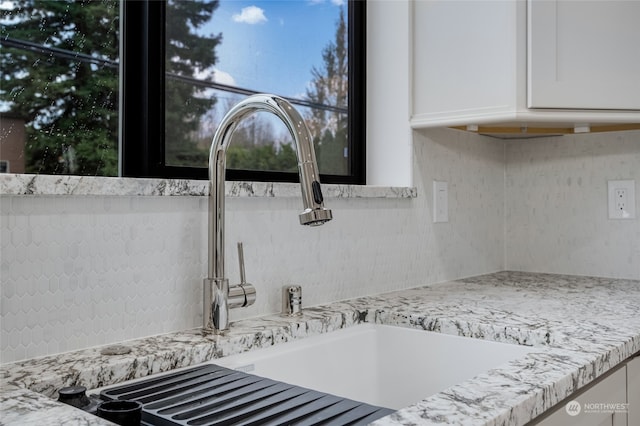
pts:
[218, 296]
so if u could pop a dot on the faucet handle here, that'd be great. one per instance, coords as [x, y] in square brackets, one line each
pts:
[243, 279]
[243, 294]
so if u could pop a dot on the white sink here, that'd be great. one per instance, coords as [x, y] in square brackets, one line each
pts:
[382, 365]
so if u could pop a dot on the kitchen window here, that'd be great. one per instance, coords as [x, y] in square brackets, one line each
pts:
[176, 85]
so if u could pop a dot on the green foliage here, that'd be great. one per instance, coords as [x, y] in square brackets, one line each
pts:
[330, 151]
[262, 157]
[71, 107]
[186, 53]
[253, 147]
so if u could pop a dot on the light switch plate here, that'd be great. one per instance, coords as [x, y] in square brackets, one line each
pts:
[440, 202]
[622, 199]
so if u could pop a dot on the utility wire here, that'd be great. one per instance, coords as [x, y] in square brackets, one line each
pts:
[110, 63]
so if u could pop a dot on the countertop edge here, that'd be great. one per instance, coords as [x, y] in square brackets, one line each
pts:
[28, 185]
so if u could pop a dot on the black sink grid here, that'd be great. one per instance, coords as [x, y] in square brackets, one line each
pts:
[214, 395]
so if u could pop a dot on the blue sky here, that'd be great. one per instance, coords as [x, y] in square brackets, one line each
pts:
[276, 42]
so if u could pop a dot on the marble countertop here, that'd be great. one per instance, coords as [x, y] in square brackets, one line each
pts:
[24, 184]
[585, 326]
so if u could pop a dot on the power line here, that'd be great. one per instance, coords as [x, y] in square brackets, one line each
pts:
[110, 63]
[56, 52]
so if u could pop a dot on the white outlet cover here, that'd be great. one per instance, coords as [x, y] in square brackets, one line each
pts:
[629, 187]
[440, 202]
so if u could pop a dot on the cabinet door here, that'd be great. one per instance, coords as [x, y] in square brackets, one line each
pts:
[612, 389]
[583, 54]
[463, 57]
[633, 391]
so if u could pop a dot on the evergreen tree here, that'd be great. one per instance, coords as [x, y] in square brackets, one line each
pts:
[71, 106]
[187, 54]
[330, 87]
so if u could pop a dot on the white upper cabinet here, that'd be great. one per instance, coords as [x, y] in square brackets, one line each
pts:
[525, 63]
[583, 54]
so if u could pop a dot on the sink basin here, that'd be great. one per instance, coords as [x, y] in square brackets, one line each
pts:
[381, 365]
[351, 376]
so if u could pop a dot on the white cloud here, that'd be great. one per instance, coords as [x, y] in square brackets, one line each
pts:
[217, 76]
[250, 15]
[223, 78]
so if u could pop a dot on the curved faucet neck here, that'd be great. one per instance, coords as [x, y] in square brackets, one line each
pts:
[314, 211]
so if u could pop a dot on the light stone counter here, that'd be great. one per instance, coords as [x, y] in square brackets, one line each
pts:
[22, 184]
[585, 325]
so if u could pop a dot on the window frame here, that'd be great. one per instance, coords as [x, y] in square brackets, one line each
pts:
[142, 150]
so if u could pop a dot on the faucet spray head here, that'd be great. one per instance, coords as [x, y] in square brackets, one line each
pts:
[314, 213]
[318, 214]
[315, 217]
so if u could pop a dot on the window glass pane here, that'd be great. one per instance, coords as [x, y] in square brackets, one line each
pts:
[59, 91]
[295, 49]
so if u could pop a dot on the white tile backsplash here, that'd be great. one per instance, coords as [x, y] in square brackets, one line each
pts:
[556, 195]
[87, 270]
[79, 271]
[473, 167]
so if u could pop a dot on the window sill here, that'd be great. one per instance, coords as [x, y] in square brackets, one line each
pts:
[20, 184]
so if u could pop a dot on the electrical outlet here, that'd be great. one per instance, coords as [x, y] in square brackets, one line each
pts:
[620, 195]
[440, 202]
[622, 202]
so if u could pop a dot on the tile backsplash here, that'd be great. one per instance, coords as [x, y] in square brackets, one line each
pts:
[80, 271]
[556, 197]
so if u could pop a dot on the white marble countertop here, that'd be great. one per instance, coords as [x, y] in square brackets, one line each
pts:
[24, 184]
[585, 325]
